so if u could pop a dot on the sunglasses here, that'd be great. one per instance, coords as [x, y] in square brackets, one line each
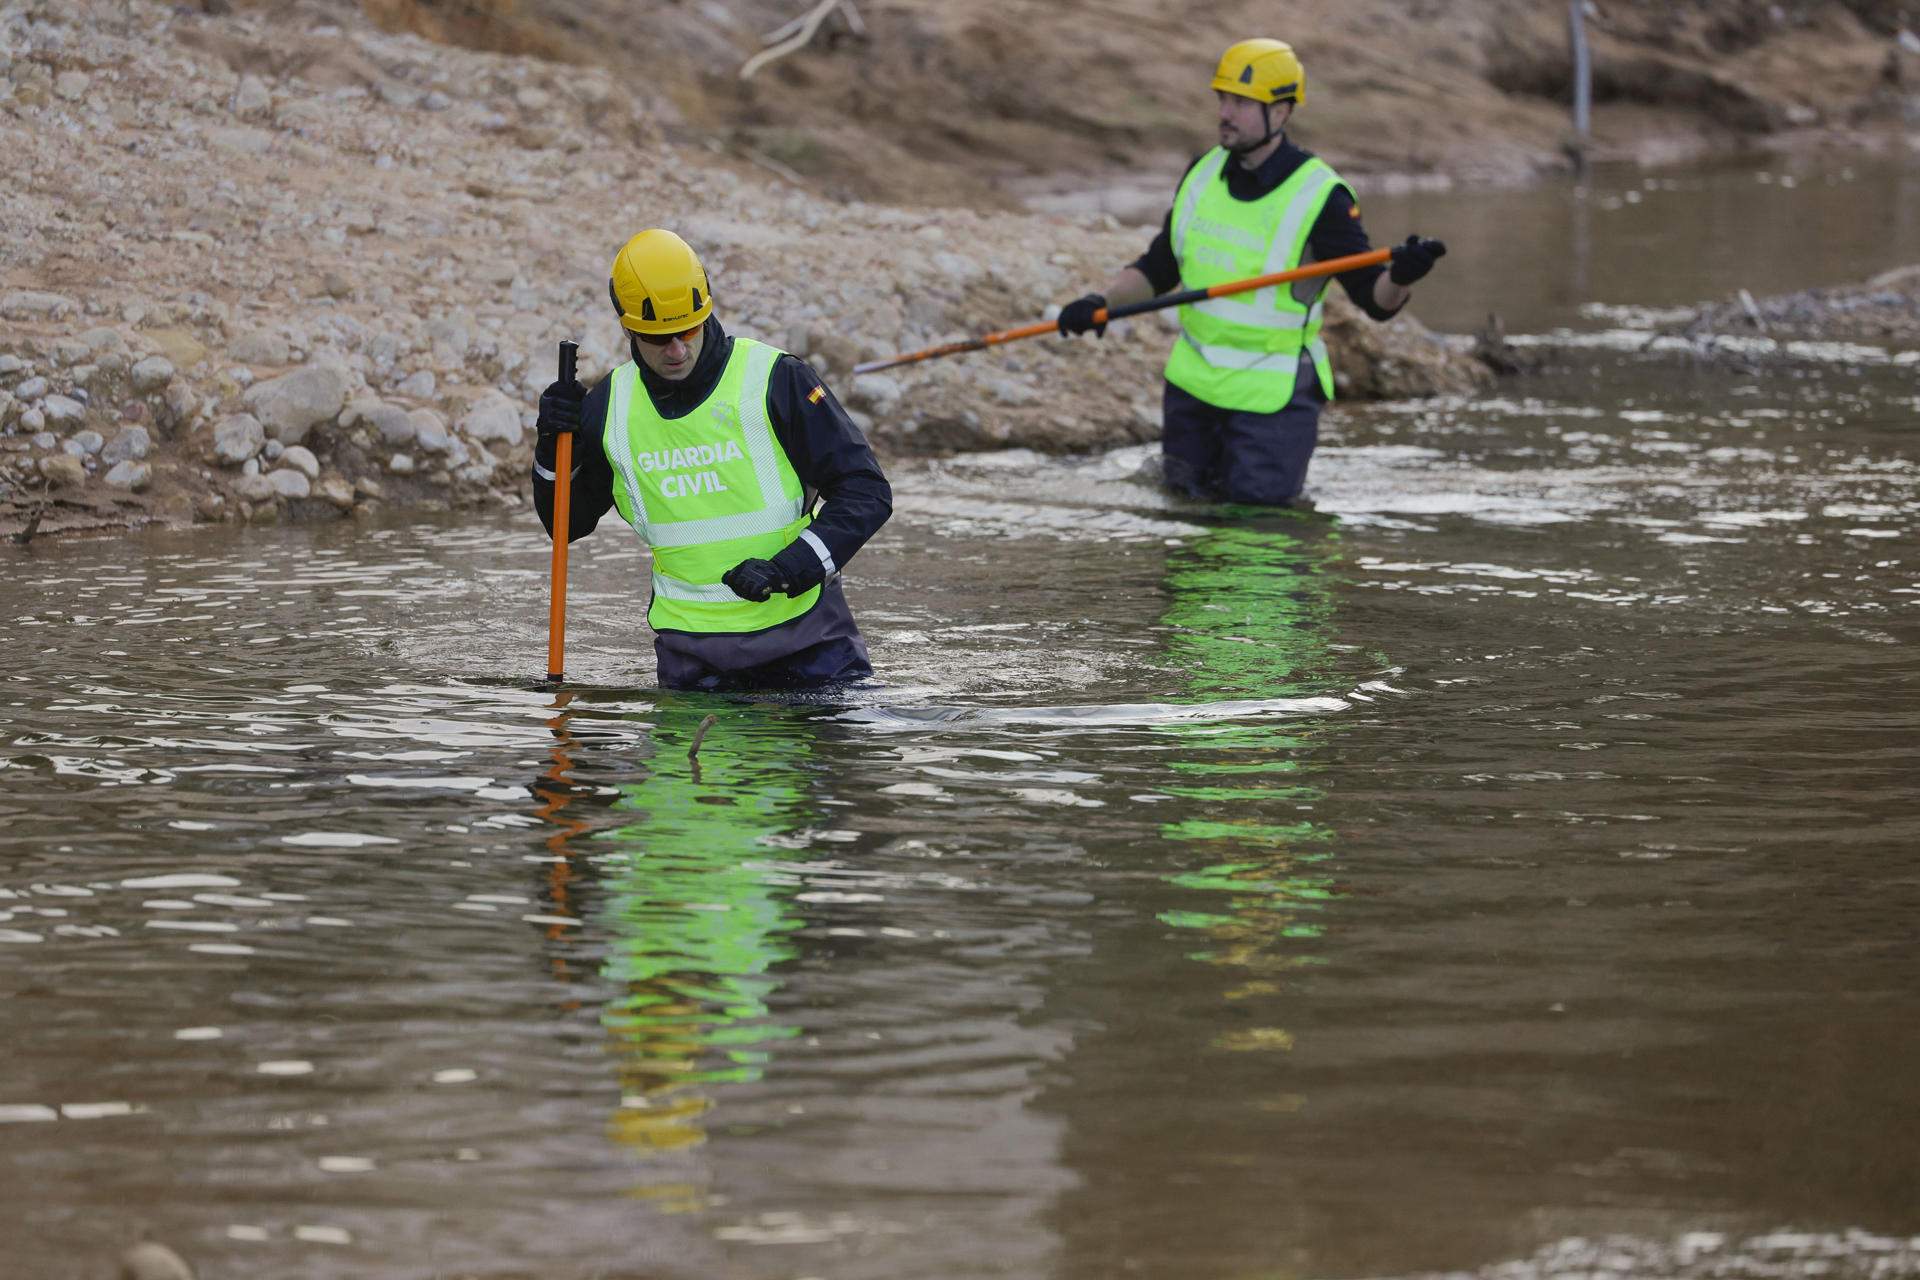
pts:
[662, 339]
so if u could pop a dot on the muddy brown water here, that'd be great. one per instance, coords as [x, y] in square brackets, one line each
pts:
[1511, 868]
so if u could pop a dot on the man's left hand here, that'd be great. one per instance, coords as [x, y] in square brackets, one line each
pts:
[754, 580]
[1412, 260]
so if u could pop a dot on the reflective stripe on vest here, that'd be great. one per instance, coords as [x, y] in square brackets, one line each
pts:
[1243, 351]
[706, 491]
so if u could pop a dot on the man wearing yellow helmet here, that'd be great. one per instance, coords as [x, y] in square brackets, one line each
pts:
[718, 450]
[1248, 376]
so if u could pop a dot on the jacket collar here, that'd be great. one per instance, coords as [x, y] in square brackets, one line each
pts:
[677, 399]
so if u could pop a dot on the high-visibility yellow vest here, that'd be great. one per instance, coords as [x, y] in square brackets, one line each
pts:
[705, 492]
[1242, 351]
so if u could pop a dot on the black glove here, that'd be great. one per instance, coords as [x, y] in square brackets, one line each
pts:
[799, 564]
[754, 580]
[1077, 316]
[559, 415]
[1414, 259]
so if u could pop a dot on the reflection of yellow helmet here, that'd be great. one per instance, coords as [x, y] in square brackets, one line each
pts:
[1264, 70]
[658, 284]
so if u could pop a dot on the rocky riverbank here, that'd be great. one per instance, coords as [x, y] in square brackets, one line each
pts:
[1884, 310]
[281, 263]
[262, 268]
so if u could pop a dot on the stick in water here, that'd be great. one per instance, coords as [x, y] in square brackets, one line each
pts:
[562, 531]
[699, 735]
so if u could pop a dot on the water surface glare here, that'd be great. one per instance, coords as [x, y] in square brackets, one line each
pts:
[1512, 868]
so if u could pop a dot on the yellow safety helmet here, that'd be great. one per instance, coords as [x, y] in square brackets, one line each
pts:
[1264, 70]
[658, 284]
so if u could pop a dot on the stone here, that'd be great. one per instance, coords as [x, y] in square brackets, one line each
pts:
[418, 385]
[10, 365]
[35, 306]
[357, 408]
[103, 339]
[396, 94]
[151, 375]
[272, 450]
[129, 475]
[401, 464]
[385, 350]
[62, 470]
[301, 459]
[177, 345]
[451, 337]
[252, 97]
[255, 488]
[132, 443]
[71, 85]
[34, 420]
[181, 404]
[876, 392]
[430, 431]
[63, 411]
[492, 417]
[32, 388]
[237, 438]
[259, 346]
[394, 424]
[293, 404]
[289, 483]
[88, 442]
[337, 491]
[1008, 390]
[150, 1260]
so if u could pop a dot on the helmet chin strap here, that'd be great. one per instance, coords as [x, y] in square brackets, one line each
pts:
[1266, 123]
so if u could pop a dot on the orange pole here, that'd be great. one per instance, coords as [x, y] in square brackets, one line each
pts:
[557, 605]
[1331, 267]
[562, 534]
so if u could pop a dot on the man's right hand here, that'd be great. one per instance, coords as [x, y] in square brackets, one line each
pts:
[560, 409]
[1077, 316]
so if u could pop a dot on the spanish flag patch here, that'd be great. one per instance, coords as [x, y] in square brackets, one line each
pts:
[816, 395]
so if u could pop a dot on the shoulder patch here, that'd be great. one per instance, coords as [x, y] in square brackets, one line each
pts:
[816, 395]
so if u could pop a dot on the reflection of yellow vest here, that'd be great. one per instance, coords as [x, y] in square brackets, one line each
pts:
[1242, 351]
[700, 916]
[707, 491]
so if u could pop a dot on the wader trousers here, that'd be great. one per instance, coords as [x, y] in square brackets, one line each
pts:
[1236, 456]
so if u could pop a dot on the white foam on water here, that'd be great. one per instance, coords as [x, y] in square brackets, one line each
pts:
[184, 880]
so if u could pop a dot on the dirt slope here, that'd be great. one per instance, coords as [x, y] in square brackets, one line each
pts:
[978, 102]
